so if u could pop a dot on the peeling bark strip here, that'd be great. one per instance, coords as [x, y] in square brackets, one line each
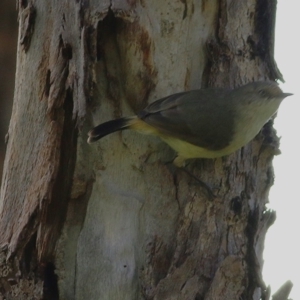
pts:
[27, 22]
[265, 29]
[41, 149]
[58, 72]
[113, 221]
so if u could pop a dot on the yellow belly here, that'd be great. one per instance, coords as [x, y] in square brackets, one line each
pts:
[184, 149]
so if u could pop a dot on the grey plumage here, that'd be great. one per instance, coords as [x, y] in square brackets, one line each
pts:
[205, 123]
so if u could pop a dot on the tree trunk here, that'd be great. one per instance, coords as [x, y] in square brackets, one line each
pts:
[113, 220]
[8, 43]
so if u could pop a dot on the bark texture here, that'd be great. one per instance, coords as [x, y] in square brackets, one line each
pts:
[113, 220]
[8, 38]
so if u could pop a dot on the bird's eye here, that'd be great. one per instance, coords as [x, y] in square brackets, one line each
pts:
[263, 93]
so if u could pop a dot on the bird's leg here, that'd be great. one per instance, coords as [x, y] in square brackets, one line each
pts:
[201, 183]
[179, 163]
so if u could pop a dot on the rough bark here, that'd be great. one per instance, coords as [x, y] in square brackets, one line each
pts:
[113, 220]
[8, 38]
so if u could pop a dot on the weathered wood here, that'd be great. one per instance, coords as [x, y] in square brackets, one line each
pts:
[113, 220]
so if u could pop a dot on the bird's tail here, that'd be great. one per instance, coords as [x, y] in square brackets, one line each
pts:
[106, 128]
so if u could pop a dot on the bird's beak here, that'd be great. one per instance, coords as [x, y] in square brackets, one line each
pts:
[287, 94]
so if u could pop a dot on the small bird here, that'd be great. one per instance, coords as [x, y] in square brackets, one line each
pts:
[204, 123]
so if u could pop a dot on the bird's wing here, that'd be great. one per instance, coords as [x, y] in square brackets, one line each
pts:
[198, 117]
